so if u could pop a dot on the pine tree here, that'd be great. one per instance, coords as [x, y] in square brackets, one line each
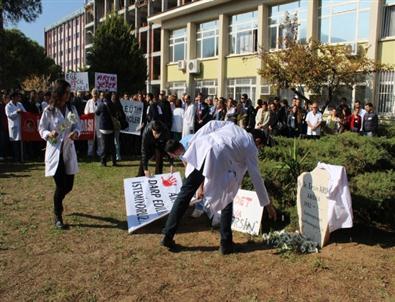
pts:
[15, 10]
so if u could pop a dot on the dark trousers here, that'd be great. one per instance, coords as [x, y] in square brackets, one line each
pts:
[16, 150]
[64, 184]
[108, 148]
[158, 163]
[188, 189]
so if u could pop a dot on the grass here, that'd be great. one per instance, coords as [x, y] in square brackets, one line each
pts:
[96, 259]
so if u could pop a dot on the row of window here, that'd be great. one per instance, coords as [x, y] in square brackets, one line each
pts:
[344, 21]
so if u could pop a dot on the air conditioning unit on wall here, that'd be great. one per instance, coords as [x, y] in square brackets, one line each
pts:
[193, 66]
[181, 65]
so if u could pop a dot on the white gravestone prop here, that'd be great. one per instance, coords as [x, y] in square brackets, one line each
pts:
[312, 204]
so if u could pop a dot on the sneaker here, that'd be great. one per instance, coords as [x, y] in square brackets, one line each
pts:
[59, 223]
[170, 244]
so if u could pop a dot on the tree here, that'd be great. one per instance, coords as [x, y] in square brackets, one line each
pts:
[316, 66]
[20, 58]
[15, 10]
[115, 50]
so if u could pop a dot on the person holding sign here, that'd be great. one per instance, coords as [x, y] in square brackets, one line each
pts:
[60, 127]
[218, 155]
[154, 139]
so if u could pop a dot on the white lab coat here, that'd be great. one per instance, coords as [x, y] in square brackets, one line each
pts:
[50, 120]
[14, 120]
[227, 152]
[339, 198]
[178, 115]
[188, 123]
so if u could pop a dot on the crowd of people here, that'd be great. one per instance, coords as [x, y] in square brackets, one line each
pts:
[181, 116]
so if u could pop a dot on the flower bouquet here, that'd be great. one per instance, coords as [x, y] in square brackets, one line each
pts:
[286, 241]
[67, 123]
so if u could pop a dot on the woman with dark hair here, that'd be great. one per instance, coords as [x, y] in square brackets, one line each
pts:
[60, 126]
[220, 110]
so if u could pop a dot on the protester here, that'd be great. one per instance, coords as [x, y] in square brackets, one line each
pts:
[178, 115]
[370, 121]
[4, 143]
[45, 102]
[188, 121]
[153, 144]
[167, 116]
[355, 121]
[222, 178]
[91, 107]
[120, 116]
[247, 114]
[154, 110]
[332, 122]
[60, 126]
[292, 123]
[107, 126]
[313, 120]
[231, 110]
[202, 115]
[262, 119]
[13, 110]
[220, 111]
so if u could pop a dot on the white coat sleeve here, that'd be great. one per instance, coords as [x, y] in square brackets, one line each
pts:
[10, 113]
[257, 181]
[43, 126]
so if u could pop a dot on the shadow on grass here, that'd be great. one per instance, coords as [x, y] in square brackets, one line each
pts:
[113, 223]
[239, 248]
[365, 234]
[8, 169]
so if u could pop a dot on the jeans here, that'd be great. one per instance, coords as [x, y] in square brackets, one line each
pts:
[188, 189]
[64, 184]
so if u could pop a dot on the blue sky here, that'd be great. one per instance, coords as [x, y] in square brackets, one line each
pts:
[53, 10]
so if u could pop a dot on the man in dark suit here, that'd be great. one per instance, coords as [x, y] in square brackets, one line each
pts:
[202, 116]
[167, 117]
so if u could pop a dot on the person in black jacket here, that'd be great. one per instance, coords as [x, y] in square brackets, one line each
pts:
[167, 116]
[154, 140]
[154, 110]
[202, 116]
[106, 127]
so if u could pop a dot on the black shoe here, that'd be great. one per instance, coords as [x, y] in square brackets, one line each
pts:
[226, 249]
[170, 244]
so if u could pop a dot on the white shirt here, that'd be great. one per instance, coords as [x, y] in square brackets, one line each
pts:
[178, 115]
[314, 120]
[90, 106]
[227, 152]
[14, 120]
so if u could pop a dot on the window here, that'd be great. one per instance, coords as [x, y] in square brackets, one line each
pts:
[386, 93]
[243, 33]
[178, 44]
[207, 40]
[389, 19]
[239, 86]
[288, 21]
[344, 21]
[207, 87]
[177, 88]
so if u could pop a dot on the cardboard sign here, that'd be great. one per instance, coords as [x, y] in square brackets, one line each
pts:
[106, 81]
[78, 81]
[150, 198]
[134, 116]
[247, 212]
[87, 127]
[312, 204]
[29, 127]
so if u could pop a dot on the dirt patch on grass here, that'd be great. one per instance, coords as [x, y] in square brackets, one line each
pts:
[96, 259]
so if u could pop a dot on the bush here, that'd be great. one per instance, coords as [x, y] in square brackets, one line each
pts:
[369, 163]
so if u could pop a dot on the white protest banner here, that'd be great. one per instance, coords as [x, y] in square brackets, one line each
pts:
[150, 198]
[134, 116]
[78, 81]
[105, 81]
[247, 212]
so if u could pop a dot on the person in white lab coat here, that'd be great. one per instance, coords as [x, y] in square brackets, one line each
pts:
[219, 155]
[188, 122]
[60, 127]
[90, 107]
[13, 110]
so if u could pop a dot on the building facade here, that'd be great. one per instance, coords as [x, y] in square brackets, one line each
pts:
[212, 46]
[65, 41]
[136, 14]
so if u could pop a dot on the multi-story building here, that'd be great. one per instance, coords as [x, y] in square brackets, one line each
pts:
[136, 14]
[65, 41]
[212, 46]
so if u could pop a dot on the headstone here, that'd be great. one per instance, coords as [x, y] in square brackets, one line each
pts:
[312, 204]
